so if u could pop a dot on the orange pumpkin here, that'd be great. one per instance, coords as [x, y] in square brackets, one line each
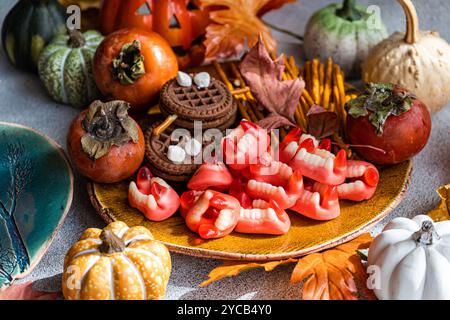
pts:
[116, 263]
[181, 22]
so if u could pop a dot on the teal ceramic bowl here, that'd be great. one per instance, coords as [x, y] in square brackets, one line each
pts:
[36, 189]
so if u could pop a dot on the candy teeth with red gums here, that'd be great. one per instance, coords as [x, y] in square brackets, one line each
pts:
[211, 176]
[187, 200]
[155, 199]
[320, 204]
[245, 145]
[330, 170]
[292, 144]
[269, 220]
[260, 204]
[365, 178]
[214, 215]
[237, 190]
[305, 136]
[277, 173]
[285, 196]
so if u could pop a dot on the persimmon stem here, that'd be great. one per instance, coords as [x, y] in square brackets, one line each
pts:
[361, 146]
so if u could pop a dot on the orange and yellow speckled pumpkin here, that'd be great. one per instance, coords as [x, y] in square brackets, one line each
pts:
[116, 263]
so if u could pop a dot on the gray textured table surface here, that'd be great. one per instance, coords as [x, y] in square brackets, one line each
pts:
[23, 100]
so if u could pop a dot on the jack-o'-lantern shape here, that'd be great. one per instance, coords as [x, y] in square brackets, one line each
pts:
[181, 22]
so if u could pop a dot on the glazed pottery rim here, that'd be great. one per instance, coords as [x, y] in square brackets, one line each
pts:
[216, 254]
[68, 205]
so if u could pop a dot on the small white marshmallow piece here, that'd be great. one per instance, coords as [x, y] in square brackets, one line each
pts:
[184, 79]
[176, 154]
[193, 147]
[202, 80]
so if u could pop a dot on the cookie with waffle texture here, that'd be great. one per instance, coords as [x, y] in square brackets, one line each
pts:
[214, 105]
[156, 147]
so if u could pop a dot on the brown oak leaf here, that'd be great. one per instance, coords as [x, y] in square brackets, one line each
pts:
[264, 77]
[233, 268]
[335, 274]
[321, 122]
[25, 291]
[235, 23]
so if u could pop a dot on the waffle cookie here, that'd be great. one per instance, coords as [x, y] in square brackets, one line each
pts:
[156, 148]
[214, 106]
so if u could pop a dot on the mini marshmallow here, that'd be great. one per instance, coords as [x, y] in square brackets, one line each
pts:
[184, 79]
[202, 80]
[193, 147]
[176, 154]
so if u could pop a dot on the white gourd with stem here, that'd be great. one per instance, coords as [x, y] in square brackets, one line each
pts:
[410, 259]
[417, 60]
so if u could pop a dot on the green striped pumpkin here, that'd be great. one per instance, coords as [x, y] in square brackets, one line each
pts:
[65, 68]
[28, 27]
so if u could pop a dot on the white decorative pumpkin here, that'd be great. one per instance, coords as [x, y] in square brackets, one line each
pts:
[416, 60]
[412, 259]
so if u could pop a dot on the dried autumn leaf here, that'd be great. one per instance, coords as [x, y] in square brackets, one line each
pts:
[233, 268]
[273, 5]
[335, 274]
[442, 212]
[321, 122]
[25, 291]
[235, 23]
[264, 77]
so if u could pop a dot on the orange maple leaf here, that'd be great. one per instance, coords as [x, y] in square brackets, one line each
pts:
[236, 22]
[442, 212]
[335, 274]
[232, 268]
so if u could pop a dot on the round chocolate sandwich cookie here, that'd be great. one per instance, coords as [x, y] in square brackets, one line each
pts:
[212, 104]
[174, 157]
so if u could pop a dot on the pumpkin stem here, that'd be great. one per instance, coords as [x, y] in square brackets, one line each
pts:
[129, 64]
[110, 242]
[412, 21]
[76, 38]
[349, 11]
[427, 234]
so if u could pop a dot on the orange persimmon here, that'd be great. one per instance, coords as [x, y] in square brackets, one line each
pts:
[132, 65]
[104, 143]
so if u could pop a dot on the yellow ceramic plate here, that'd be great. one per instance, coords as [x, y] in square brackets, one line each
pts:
[304, 237]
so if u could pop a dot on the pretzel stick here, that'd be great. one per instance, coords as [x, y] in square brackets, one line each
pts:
[294, 67]
[222, 75]
[321, 82]
[336, 101]
[300, 117]
[304, 105]
[249, 96]
[307, 75]
[242, 108]
[307, 97]
[154, 110]
[340, 85]
[315, 81]
[328, 80]
[164, 125]
[332, 107]
[252, 109]
[240, 91]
